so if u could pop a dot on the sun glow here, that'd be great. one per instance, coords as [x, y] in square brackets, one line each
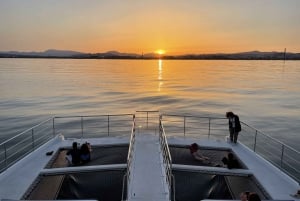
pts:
[160, 52]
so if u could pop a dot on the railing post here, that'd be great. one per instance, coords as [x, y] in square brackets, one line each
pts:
[53, 126]
[81, 126]
[5, 156]
[184, 126]
[255, 141]
[32, 138]
[147, 119]
[209, 127]
[282, 152]
[159, 125]
[107, 125]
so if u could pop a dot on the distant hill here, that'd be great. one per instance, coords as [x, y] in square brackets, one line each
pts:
[52, 53]
[47, 53]
[252, 55]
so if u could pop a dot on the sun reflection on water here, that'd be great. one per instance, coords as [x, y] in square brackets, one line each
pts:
[160, 71]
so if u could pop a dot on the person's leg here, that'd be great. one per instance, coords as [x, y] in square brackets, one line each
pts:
[235, 136]
[231, 135]
[69, 159]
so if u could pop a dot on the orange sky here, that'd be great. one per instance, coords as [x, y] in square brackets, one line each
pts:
[178, 27]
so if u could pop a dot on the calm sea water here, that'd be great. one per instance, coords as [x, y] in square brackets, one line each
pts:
[265, 94]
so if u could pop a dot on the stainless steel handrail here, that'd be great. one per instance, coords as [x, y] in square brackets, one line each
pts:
[270, 137]
[284, 159]
[167, 159]
[12, 138]
[11, 152]
[129, 158]
[108, 120]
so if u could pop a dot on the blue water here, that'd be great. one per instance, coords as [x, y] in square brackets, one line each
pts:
[265, 94]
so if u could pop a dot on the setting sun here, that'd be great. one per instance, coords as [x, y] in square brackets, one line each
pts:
[160, 51]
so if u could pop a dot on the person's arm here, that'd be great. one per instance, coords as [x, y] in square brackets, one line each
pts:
[199, 156]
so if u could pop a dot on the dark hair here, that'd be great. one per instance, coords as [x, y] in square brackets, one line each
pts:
[74, 145]
[247, 194]
[85, 148]
[229, 114]
[254, 197]
[225, 160]
[195, 146]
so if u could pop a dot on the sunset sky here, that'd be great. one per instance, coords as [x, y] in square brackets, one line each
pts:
[136, 26]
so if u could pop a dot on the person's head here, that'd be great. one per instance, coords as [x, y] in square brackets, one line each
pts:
[194, 147]
[74, 145]
[225, 160]
[254, 197]
[244, 196]
[229, 114]
[85, 148]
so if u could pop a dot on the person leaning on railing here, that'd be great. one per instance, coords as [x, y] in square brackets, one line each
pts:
[234, 126]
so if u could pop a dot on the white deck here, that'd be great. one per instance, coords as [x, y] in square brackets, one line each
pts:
[275, 182]
[148, 178]
[15, 181]
[148, 181]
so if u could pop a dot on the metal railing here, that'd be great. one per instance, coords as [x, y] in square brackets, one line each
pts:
[279, 154]
[17, 147]
[167, 159]
[27, 141]
[147, 120]
[93, 126]
[129, 159]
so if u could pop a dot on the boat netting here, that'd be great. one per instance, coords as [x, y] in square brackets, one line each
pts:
[182, 155]
[195, 186]
[101, 185]
[107, 184]
[103, 155]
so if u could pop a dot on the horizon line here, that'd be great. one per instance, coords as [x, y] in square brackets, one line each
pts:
[144, 53]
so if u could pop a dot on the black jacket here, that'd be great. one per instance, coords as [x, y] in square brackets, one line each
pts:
[237, 127]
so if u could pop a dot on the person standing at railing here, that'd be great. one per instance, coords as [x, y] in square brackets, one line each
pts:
[234, 126]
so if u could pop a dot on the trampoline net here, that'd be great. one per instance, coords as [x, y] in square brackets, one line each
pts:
[100, 155]
[182, 155]
[101, 185]
[195, 186]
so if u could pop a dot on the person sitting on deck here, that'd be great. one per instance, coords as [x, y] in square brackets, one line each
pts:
[244, 196]
[230, 162]
[194, 149]
[297, 194]
[85, 152]
[254, 197]
[73, 155]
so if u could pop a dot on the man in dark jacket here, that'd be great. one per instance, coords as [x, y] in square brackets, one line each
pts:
[234, 126]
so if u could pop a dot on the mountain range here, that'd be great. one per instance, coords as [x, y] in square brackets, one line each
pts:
[52, 53]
